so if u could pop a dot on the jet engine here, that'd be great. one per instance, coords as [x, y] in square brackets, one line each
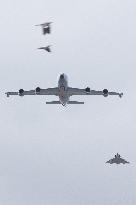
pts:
[21, 92]
[37, 90]
[87, 90]
[105, 93]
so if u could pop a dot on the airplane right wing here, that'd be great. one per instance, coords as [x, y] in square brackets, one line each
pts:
[87, 91]
[123, 161]
[37, 91]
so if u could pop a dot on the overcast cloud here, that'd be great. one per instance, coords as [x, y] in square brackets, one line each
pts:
[49, 154]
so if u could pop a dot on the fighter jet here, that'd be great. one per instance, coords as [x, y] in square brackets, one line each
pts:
[64, 92]
[45, 27]
[46, 48]
[117, 160]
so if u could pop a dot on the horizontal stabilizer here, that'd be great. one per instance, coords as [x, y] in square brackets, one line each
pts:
[53, 102]
[75, 102]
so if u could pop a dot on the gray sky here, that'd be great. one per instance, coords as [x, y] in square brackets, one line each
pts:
[55, 155]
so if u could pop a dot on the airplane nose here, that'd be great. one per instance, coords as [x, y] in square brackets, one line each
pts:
[62, 76]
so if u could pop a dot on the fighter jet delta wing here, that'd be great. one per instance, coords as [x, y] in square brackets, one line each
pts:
[123, 161]
[111, 161]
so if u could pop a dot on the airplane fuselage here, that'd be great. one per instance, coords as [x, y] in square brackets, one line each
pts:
[63, 89]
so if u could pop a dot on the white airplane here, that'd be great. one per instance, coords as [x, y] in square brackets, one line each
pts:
[64, 92]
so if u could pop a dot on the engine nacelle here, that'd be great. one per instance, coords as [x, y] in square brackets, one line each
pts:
[88, 90]
[21, 92]
[37, 90]
[105, 93]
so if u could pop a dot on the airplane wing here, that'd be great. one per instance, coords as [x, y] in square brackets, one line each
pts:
[47, 48]
[111, 161]
[123, 161]
[37, 91]
[87, 91]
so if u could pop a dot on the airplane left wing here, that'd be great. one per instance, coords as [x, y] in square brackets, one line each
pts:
[37, 91]
[87, 91]
[124, 161]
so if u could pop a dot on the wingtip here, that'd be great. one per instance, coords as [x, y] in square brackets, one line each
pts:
[120, 95]
[7, 94]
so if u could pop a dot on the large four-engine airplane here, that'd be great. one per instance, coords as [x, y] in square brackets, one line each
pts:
[64, 92]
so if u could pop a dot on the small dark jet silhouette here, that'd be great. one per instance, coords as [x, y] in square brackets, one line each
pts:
[46, 28]
[46, 48]
[117, 160]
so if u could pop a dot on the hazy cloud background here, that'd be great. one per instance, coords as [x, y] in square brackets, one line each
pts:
[55, 155]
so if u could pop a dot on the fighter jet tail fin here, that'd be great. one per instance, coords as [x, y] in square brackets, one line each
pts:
[53, 102]
[75, 102]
